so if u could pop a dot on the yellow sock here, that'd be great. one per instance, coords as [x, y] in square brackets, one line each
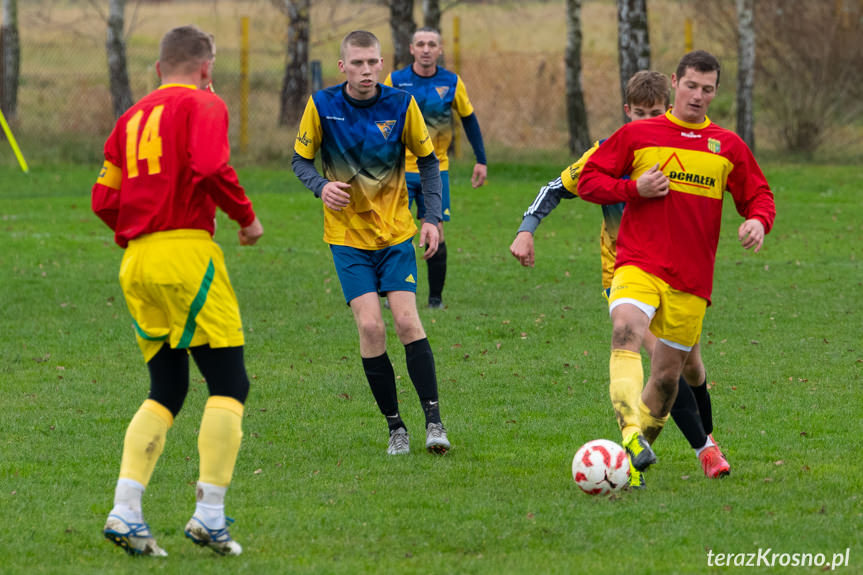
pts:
[627, 379]
[651, 424]
[145, 439]
[219, 439]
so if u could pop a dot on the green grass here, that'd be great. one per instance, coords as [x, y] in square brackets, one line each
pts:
[522, 359]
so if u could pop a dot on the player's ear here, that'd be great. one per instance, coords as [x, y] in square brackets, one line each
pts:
[158, 70]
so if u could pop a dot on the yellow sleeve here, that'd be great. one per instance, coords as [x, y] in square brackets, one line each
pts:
[569, 176]
[110, 176]
[388, 81]
[415, 134]
[461, 102]
[309, 134]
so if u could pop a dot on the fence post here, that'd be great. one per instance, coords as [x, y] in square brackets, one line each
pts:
[456, 49]
[244, 86]
[687, 35]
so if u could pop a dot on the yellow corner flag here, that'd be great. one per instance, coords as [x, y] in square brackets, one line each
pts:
[11, 137]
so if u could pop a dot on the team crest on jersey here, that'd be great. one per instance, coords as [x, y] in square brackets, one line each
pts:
[713, 145]
[386, 128]
[442, 91]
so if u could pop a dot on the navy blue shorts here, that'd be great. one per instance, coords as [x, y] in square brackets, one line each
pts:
[415, 189]
[381, 271]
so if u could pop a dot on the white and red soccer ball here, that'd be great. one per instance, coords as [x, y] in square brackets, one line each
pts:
[600, 466]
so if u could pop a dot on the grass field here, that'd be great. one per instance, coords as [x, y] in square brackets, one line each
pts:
[522, 358]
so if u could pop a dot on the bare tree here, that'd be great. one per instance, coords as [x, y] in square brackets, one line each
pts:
[295, 86]
[403, 27]
[10, 59]
[633, 41]
[745, 71]
[431, 14]
[576, 113]
[121, 91]
[809, 66]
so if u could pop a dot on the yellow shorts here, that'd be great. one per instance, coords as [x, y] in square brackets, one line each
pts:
[178, 291]
[676, 316]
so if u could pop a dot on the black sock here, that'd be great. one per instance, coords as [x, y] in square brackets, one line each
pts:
[420, 362]
[702, 397]
[382, 380]
[686, 416]
[437, 271]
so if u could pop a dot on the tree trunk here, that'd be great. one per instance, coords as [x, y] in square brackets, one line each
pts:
[576, 113]
[431, 14]
[633, 41]
[403, 27]
[295, 87]
[746, 71]
[121, 91]
[10, 60]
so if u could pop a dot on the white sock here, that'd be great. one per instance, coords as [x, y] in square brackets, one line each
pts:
[708, 443]
[127, 500]
[210, 506]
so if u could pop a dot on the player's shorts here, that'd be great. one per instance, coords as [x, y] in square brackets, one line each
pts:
[415, 194]
[375, 271]
[178, 292]
[676, 316]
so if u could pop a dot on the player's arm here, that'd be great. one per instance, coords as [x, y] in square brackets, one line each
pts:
[549, 196]
[416, 137]
[334, 195]
[209, 154]
[469, 121]
[601, 180]
[105, 195]
[753, 200]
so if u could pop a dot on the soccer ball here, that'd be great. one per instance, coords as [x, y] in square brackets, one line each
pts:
[600, 466]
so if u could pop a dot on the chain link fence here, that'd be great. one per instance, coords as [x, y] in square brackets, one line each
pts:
[510, 53]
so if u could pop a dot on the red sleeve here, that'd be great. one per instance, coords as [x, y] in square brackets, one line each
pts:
[601, 179]
[209, 162]
[749, 188]
[105, 196]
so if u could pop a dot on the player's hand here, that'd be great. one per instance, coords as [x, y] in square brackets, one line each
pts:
[480, 171]
[522, 248]
[250, 234]
[335, 195]
[429, 238]
[751, 234]
[652, 183]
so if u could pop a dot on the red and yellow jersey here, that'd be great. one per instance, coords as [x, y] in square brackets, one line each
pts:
[363, 144]
[675, 237]
[437, 97]
[611, 215]
[166, 167]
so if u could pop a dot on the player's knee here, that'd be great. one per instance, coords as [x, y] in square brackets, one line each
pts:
[625, 336]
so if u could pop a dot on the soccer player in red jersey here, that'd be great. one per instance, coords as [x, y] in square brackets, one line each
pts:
[678, 165]
[165, 172]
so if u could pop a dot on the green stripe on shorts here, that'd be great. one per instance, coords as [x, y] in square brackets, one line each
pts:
[197, 304]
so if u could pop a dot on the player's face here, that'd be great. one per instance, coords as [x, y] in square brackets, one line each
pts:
[642, 111]
[426, 49]
[693, 93]
[361, 67]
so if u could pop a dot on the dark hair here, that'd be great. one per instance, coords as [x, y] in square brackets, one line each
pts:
[648, 88]
[426, 29]
[700, 61]
[360, 39]
[184, 48]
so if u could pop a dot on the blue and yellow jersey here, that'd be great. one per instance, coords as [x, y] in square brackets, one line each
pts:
[363, 144]
[437, 97]
[611, 216]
